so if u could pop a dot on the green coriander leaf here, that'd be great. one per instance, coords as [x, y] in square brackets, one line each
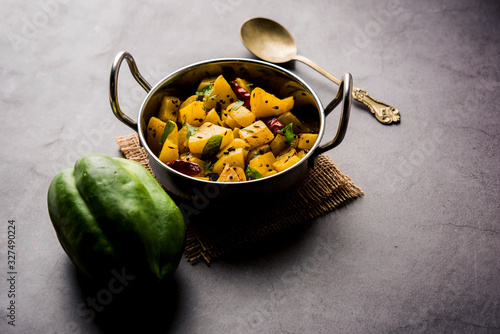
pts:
[252, 173]
[208, 166]
[169, 127]
[249, 86]
[288, 132]
[191, 130]
[247, 130]
[207, 90]
[237, 104]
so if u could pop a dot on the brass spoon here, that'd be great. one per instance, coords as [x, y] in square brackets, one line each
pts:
[271, 42]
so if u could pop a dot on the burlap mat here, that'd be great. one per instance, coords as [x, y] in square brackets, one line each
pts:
[324, 189]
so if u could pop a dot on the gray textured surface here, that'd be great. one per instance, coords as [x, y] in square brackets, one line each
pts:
[418, 253]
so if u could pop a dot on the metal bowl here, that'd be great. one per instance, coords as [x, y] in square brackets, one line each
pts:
[184, 81]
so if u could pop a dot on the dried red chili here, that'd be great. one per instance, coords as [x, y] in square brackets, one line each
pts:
[185, 167]
[241, 93]
[274, 125]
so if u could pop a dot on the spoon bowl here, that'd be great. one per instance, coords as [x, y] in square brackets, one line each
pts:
[271, 42]
[268, 40]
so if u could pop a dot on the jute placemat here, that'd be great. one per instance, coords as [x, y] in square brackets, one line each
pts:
[324, 189]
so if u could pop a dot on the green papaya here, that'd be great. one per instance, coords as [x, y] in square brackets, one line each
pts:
[111, 214]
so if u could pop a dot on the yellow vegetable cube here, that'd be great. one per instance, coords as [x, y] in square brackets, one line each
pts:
[182, 140]
[169, 152]
[236, 132]
[197, 141]
[213, 117]
[205, 82]
[256, 134]
[264, 104]
[231, 174]
[193, 113]
[222, 94]
[282, 164]
[269, 173]
[263, 163]
[297, 125]
[169, 109]
[236, 143]
[188, 101]
[278, 144]
[154, 131]
[241, 115]
[230, 122]
[306, 140]
[233, 158]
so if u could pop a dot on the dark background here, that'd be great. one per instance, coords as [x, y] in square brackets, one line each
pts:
[418, 253]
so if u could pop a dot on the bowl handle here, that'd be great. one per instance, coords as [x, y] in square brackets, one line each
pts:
[113, 86]
[344, 95]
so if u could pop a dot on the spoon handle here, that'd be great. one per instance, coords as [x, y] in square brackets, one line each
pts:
[383, 112]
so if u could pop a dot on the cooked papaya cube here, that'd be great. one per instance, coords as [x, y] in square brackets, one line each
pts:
[264, 104]
[169, 109]
[257, 134]
[188, 101]
[278, 144]
[191, 158]
[306, 140]
[229, 174]
[193, 114]
[154, 131]
[198, 140]
[287, 153]
[301, 96]
[236, 143]
[269, 173]
[241, 115]
[282, 164]
[302, 153]
[241, 173]
[263, 163]
[259, 150]
[230, 122]
[182, 140]
[213, 117]
[236, 132]
[222, 94]
[169, 152]
[233, 158]
[206, 82]
[297, 126]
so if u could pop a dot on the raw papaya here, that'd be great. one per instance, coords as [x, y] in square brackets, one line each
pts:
[111, 214]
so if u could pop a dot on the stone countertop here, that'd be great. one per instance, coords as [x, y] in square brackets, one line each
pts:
[418, 253]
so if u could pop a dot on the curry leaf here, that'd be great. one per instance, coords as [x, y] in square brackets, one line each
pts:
[211, 147]
[252, 173]
[288, 132]
[169, 127]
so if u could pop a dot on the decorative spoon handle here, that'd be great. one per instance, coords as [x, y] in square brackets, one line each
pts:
[383, 112]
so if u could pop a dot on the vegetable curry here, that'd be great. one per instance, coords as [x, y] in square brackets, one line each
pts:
[231, 131]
